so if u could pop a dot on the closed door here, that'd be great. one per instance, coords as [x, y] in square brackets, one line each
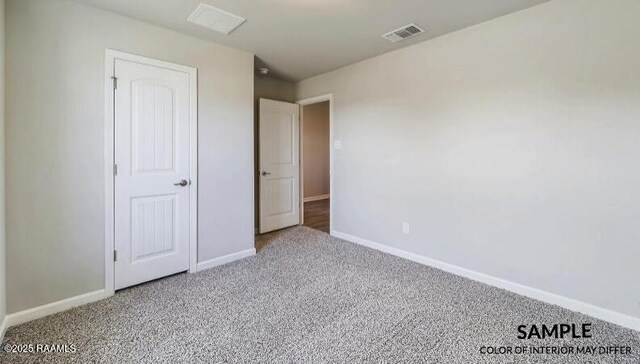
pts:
[279, 165]
[152, 179]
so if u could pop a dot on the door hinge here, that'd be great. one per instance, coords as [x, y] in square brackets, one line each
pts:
[115, 82]
[115, 169]
[115, 255]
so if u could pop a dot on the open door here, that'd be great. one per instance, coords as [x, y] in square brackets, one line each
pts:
[279, 165]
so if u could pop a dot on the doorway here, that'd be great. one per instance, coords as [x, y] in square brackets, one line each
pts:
[151, 161]
[290, 193]
[316, 163]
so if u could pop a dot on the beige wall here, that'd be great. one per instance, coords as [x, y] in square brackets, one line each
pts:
[55, 143]
[510, 147]
[2, 174]
[273, 89]
[315, 147]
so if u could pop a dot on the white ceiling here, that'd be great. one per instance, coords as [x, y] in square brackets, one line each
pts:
[298, 39]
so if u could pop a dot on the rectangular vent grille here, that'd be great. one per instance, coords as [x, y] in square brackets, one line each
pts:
[216, 19]
[405, 32]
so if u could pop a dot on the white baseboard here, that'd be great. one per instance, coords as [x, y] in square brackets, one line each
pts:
[208, 264]
[316, 198]
[3, 328]
[68, 303]
[552, 298]
[51, 308]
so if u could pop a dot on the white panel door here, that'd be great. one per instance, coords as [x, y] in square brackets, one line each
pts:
[279, 165]
[152, 181]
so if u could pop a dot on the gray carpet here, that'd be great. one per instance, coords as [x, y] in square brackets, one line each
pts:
[310, 298]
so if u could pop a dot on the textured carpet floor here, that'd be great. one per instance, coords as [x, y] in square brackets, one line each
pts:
[310, 298]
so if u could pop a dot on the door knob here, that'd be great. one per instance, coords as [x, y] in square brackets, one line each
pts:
[265, 173]
[182, 183]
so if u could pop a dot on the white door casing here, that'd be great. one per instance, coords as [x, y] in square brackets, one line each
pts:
[153, 154]
[305, 102]
[279, 165]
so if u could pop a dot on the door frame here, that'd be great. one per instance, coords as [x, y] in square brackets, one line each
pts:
[305, 102]
[109, 149]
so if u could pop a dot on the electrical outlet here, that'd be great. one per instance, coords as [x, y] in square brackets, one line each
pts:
[406, 229]
[337, 144]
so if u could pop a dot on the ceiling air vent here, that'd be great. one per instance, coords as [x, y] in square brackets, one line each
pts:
[216, 19]
[405, 32]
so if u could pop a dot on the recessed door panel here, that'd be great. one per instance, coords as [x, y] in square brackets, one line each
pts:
[281, 138]
[282, 190]
[152, 226]
[153, 127]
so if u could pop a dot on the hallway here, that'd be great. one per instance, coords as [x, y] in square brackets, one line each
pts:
[316, 215]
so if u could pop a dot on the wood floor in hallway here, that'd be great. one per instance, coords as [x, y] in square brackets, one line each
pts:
[316, 215]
